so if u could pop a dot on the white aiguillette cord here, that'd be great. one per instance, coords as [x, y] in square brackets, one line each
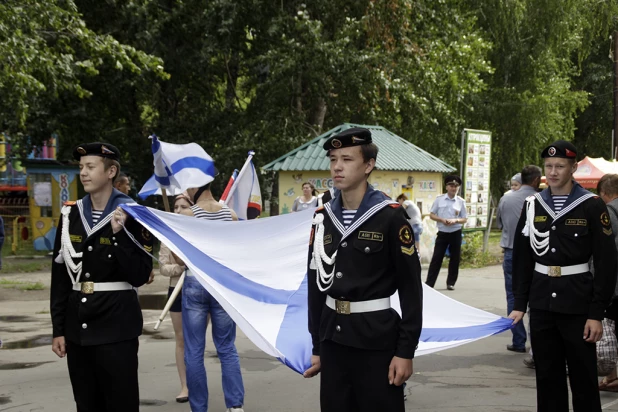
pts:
[320, 257]
[535, 236]
[67, 252]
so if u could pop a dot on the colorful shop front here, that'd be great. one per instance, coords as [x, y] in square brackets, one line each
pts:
[402, 167]
[50, 184]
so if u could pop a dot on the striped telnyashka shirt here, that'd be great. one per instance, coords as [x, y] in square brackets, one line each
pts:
[348, 217]
[96, 216]
[559, 202]
[224, 214]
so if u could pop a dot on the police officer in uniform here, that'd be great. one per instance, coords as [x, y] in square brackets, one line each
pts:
[361, 252]
[449, 211]
[560, 229]
[99, 257]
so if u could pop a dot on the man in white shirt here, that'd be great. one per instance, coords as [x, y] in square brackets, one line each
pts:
[449, 210]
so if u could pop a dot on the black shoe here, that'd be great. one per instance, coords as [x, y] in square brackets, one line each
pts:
[182, 399]
[515, 349]
[450, 287]
[529, 362]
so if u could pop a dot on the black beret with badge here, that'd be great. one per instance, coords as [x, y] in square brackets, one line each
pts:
[355, 136]
[96, 149]
[561, 149]
[452, 179]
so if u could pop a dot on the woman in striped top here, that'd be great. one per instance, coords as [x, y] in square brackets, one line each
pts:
[197, 304]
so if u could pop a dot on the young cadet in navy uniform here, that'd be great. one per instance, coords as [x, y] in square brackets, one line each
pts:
[560, 229]
[361, 252]
[95, 312]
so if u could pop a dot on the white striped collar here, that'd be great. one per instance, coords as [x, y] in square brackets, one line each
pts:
[556, 216]
[358, 220]
[102, 222]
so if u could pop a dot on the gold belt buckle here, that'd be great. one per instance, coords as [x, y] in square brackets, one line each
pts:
[342, 307]
[88, 288]
[554, 271]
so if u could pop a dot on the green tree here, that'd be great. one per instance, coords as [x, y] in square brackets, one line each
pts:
[52, 62]
[537, 54]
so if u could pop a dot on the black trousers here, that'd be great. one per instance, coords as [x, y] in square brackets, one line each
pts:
[356, 380]
[556, 338]
[444, 240]
[104, 377]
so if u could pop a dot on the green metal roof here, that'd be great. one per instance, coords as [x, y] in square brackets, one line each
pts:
[395, 153]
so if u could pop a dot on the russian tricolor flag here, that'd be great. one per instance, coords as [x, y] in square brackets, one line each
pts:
[242, 193]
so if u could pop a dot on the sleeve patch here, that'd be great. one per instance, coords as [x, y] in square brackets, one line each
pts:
[146, 235]
[405, 235]
[605, 219]
[407, 250]
[608, 232]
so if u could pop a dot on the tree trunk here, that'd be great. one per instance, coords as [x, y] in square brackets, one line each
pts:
[232, 81]
[317, 116]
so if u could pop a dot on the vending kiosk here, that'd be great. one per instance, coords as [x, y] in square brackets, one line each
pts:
[50, 184]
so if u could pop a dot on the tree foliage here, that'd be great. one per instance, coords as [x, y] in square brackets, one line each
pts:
[49, 54]
[531, 98]
[235, 75]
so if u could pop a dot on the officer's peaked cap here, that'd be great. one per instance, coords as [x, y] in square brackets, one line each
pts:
[452, 179]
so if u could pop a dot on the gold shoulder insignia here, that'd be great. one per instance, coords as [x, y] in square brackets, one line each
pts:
[70, 203]
[608, 232]
[145, 234]
[407, 250]
[148, 248]
[405, 235]
[605, 219]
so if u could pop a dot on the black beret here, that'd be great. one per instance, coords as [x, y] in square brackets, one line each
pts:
[96, 149]
[452, 179]
[354, 136]
[561, 148]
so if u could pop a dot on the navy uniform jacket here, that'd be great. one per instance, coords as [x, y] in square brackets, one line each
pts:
[581, 230]
[107, 257]
[375, 258]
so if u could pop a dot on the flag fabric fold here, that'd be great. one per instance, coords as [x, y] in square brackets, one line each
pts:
[178, 167]
[257, 272]
[244, 196]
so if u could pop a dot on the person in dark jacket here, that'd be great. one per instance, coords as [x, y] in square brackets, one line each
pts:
[99, 258]
[559, 231]
[361, 252]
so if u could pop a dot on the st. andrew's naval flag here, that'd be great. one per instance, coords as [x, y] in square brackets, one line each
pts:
[256, 269]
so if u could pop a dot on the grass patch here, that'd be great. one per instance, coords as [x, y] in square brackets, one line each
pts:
[472, 255]
[16, 284]
[26, 265]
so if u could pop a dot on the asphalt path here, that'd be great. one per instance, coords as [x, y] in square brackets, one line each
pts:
[477, 377]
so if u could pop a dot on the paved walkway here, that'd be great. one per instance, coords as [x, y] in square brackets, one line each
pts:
[477, 377]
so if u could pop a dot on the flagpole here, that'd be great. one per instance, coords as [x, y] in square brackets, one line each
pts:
[242, 171]
[181, 280]
[166, 202]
